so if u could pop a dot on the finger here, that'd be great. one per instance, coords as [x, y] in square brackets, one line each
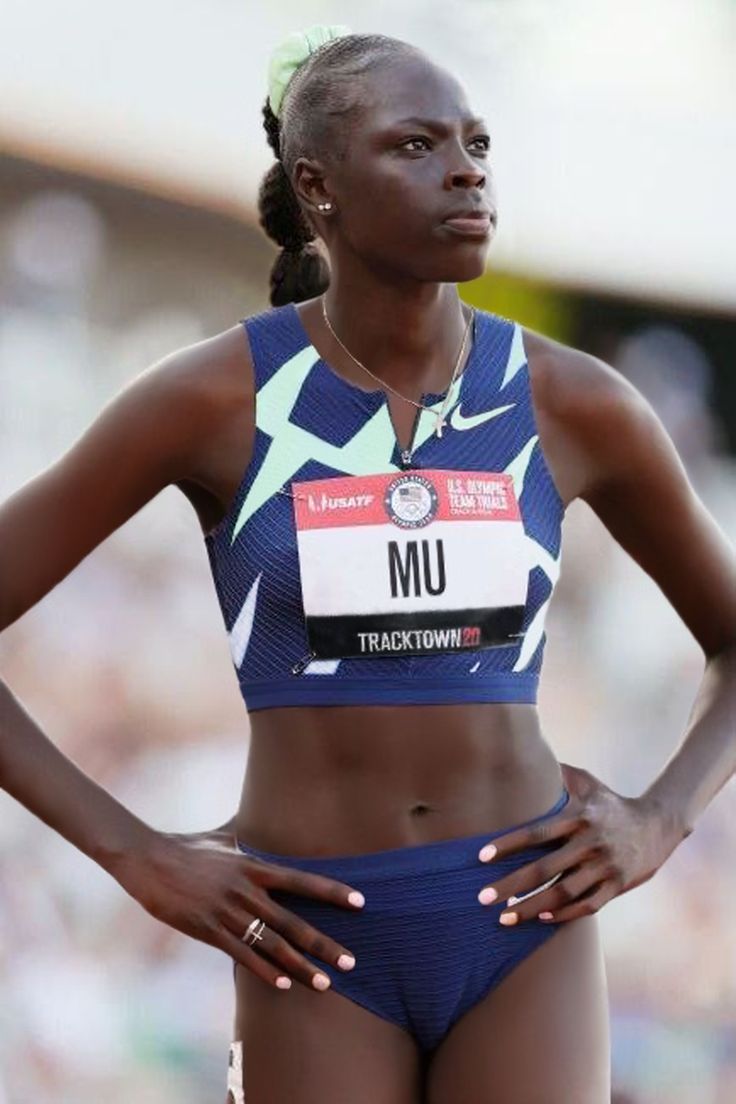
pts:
[274, 946]
[585, 906]
[301, 934]
[291, 880]
[523, 879]
[245, 956]
[289, 924]
[564, 892]
[531, 836]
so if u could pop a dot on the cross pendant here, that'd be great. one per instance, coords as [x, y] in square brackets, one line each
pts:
[257, 935]
[439, 425]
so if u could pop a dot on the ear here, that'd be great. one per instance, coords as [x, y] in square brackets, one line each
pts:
[309, 184]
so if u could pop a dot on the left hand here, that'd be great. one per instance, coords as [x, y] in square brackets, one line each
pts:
[610, 845]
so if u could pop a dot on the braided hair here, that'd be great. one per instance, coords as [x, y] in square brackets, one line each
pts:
[321, 100]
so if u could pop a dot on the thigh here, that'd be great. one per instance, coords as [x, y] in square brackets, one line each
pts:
[305, 1047]
[540, 1037]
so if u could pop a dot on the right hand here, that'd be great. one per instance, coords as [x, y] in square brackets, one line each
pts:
[205, 887]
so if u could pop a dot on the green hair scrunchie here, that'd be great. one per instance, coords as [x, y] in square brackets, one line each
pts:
[292, 52]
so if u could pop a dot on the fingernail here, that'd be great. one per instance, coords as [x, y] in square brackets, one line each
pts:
[356, 898]
[508, 917]
[487, 896]
[283, 982]
[321, 981]
[546, 916]
[346, 962]
[486, 853]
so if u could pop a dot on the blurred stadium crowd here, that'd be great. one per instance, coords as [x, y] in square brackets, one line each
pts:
[125, 665]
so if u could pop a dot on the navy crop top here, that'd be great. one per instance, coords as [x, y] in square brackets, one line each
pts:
[345, 578]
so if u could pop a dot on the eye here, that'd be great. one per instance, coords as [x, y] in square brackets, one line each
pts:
[484, 139]
[417, 139]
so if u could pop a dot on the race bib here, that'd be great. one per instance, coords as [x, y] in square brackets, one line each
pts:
[411, 563]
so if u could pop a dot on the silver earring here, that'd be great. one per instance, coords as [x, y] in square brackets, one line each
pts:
[324, 206]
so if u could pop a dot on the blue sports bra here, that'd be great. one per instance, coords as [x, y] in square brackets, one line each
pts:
[345, 578]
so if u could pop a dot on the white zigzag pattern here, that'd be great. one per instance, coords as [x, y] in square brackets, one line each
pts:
[240, 633]
[538, 555]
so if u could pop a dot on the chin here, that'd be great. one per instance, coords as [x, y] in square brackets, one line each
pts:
[471, 271]
[463, 261]
[457, 270]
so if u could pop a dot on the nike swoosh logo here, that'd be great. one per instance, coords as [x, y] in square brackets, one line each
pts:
[460, 421]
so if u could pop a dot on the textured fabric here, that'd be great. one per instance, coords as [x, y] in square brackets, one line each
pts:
[426, 950]
[313, 424]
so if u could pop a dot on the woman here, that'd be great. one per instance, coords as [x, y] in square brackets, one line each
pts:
[381, 475]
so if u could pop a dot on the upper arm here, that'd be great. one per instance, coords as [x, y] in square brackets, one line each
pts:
[147, 436]
[635, 481]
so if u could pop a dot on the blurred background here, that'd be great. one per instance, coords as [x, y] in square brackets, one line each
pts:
[130, 154]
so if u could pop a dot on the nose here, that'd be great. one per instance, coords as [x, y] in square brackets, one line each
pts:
[472, 176]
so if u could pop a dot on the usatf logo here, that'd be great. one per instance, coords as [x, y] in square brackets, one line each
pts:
[411, 501]
[338, 502]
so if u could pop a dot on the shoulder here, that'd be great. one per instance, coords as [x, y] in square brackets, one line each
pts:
[207, 371]
[577, 386]
[595, 422]
[208, 388]
[613, 447]
[161, 427]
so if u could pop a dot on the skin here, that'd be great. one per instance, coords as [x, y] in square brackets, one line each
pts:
[353, 779]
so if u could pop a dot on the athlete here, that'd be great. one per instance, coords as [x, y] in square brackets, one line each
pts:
[410, 886]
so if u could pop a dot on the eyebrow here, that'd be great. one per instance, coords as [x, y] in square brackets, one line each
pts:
[437, 124]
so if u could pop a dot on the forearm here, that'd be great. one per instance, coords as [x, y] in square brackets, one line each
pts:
[705, 759]
[38, 775]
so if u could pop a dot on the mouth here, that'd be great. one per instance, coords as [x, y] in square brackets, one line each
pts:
[471, 223]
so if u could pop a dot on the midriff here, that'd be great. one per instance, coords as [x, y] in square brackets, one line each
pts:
[344, 780]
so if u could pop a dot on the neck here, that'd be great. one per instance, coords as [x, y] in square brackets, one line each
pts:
[409, 337]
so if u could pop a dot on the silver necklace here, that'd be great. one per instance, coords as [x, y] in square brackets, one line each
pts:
[440, 422]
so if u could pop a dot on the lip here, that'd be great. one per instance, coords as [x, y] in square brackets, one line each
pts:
[471, 224]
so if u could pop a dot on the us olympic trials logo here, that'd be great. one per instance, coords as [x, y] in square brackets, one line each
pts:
[411, 501]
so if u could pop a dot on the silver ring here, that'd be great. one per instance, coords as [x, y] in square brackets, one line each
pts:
[536, 890]
[254, 930]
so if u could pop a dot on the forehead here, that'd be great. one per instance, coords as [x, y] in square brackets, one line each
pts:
[412, 86]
